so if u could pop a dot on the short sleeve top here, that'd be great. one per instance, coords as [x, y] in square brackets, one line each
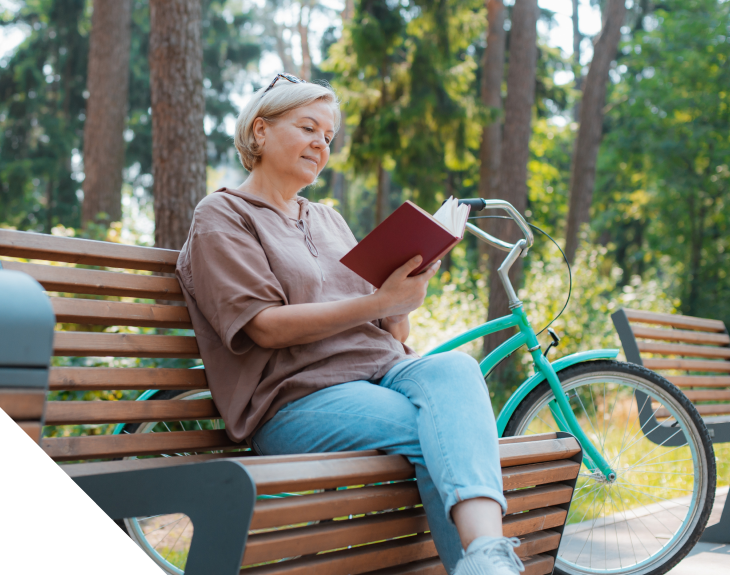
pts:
[243, 255]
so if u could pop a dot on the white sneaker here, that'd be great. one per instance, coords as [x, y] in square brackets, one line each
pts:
[491, 556]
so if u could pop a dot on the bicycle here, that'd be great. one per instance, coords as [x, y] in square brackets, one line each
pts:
[647, 482]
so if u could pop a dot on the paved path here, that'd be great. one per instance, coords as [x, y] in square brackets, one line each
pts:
[708, 558]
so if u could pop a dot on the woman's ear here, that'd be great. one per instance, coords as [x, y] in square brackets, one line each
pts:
[259, 131]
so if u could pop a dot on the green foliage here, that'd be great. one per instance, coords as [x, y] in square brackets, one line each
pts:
[406, 73]
[42, 113]
[663, 174]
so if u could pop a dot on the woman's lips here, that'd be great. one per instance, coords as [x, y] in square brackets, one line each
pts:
[310, 160]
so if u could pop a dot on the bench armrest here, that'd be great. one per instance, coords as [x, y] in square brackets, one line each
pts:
[217, 496]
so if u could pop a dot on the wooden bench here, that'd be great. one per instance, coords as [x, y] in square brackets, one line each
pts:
[694, 354]
[376, 525]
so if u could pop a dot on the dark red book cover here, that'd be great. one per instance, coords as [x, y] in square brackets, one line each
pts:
[406, 233]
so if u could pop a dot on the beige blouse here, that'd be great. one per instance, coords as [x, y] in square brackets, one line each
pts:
[244, 255]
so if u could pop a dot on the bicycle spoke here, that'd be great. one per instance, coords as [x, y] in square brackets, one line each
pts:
[657, 498]
[626, 425]
[587, 416]
[628, 526]
[546, 423]
[176, 540]
[650, 531]
[582, 518]
[656, 457]
[595, 519]
[641, 429]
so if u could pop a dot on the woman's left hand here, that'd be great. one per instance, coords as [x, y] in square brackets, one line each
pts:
[398, 326]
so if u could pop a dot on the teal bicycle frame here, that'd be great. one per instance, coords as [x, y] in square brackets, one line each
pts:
[544, 369]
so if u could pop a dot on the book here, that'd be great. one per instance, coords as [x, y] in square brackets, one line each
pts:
[409, 231]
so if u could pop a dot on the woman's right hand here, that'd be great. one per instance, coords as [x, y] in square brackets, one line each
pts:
[401, 294]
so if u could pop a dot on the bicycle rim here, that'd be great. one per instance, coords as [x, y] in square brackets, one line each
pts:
[638, 523]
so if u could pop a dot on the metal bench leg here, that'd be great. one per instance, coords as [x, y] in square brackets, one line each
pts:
[217, 496]
[719, 533]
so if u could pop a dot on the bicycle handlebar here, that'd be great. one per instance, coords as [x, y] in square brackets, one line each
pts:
[479, 204]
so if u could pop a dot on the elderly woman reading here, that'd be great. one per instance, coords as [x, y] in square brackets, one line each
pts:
[302, 355]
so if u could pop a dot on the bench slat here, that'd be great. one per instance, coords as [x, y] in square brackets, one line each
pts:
[91, 344]
[101, 312]
[708, 395]
[97, 282]
[111, 446]
[245, 457]
[684, 349]
[539, 474]
[333, 535]
[425, 567]
[681, 335]
[293, 477]
[79, 251]
[675, 320]
[699, 380]
[293, 510]
[539, 565]
[711, 409]
[23, 404]
[128, 378]
[535, 520]
[687, 364]
[337, 534]
[524, 453]
[355, 561]
[91, 412]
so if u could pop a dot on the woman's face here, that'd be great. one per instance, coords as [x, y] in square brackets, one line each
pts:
[296, 147]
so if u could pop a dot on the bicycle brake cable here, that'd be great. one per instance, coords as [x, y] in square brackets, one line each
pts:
[565, 258]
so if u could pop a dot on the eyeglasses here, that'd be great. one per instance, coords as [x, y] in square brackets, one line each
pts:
[289, 77]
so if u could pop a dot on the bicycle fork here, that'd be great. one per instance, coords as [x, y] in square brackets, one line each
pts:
[560, 408]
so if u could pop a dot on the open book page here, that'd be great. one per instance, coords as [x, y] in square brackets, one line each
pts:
[453, 216]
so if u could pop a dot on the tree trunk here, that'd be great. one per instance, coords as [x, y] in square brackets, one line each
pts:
[577, 38]
[490, 152]
[303, 29]
[178, 109]
[583, 175]
[106, 109]
[515, 151]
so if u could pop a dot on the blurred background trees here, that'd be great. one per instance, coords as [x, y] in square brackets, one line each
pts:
[116, 118]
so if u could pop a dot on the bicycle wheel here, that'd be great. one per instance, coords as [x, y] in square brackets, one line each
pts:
[651, 516]
[166, 538]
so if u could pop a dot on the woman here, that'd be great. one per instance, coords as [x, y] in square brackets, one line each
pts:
[302, 355]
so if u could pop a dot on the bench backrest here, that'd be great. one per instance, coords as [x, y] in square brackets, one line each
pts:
[135, 301]
[693, 353]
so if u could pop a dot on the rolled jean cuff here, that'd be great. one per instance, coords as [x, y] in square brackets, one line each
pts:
[465, 493]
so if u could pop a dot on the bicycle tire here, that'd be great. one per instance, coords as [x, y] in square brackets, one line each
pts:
[686, 419]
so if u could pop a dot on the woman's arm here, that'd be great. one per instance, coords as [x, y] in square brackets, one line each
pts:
[287, 325]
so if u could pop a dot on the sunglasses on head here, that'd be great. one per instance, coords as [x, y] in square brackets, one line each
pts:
[289, 77]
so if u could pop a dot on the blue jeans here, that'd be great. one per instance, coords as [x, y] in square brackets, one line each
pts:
[433, 410]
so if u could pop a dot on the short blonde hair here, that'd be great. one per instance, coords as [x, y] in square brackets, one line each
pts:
[282, 98]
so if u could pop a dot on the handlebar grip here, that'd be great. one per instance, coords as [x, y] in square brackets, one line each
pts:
[476, 204]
